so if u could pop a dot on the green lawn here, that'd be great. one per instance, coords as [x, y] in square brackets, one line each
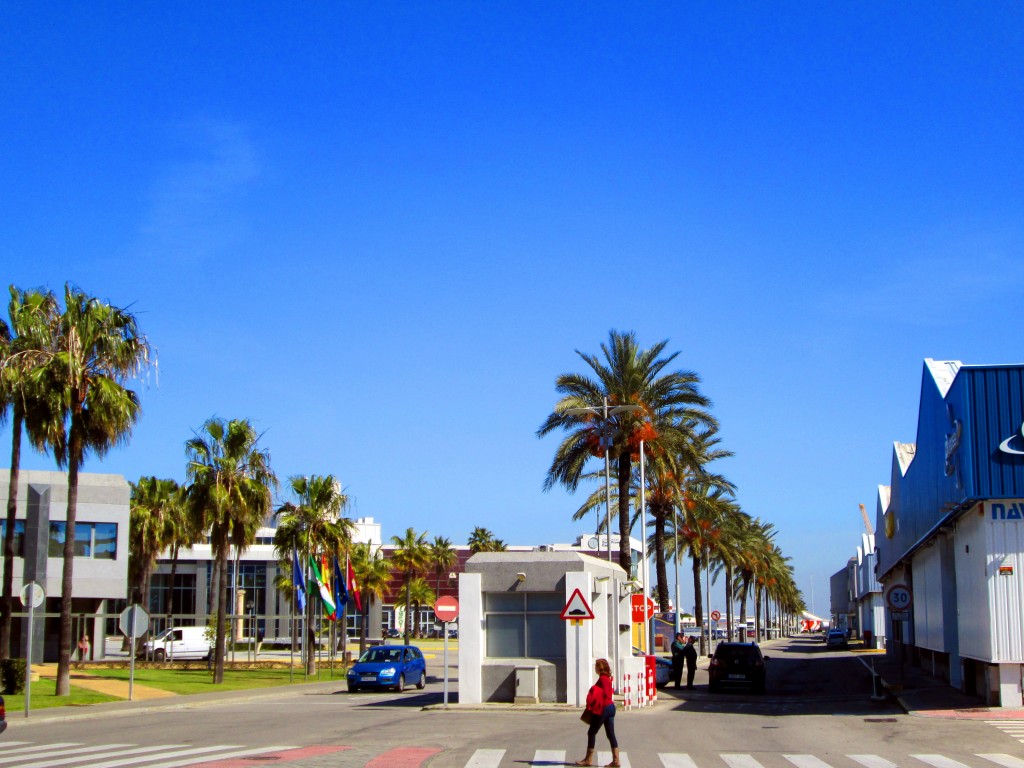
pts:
[43, 697]
[186, 681]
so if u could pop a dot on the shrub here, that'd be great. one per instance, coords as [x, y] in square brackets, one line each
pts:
[12, 676]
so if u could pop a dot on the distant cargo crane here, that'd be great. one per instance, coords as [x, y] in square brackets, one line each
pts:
[867, 523]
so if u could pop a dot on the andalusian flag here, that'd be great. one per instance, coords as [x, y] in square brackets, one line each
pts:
[322, 586]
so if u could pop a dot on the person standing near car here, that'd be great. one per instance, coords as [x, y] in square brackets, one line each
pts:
[600, 710]
[690, 656]
[678, 646]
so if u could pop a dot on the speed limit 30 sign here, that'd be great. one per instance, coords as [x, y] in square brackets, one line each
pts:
[899, 597]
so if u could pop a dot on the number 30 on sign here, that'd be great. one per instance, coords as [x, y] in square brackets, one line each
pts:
[898, 597]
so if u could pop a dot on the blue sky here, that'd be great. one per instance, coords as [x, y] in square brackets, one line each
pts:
[380, 232]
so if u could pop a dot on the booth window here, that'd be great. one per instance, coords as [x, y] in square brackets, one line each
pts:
[524, 625]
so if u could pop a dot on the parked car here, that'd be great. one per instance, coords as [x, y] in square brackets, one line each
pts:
[178, 643]
[388, 666]
[3, 715]
[836, 638]
[737, 664]
[393, 632]
[662, 667]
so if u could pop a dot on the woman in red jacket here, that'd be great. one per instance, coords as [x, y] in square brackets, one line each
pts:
[602, 710]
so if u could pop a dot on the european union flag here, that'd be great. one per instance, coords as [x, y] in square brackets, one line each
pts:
[340, 592]
[298, 582]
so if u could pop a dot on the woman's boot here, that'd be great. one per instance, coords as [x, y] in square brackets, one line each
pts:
[588, 760]
[615, 758]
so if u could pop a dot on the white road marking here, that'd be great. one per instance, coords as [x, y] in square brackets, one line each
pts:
[939, 761]
[548, 756]
[740, 761]
[806, 761]
[1007, 761]
[873, 761]
[677, 760]
[486, 758]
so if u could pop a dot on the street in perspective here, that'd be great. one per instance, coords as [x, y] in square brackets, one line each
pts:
[818, 710]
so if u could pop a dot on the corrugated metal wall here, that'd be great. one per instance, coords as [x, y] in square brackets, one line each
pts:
[928, 582]
[1005, 549]
[994, 410]
[974, 617]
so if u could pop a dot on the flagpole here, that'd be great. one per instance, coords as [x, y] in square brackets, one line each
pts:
[291, 626]
[344, 616]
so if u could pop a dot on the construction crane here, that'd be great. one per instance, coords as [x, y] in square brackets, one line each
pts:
[867, 523]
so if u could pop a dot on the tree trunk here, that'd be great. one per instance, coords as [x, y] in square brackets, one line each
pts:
[659, 561]
[364, 624]
[222, 604]
[75, 447]
[624, 468]
[757, 612]
[7, 604]
[728, 601]
[698, 602]
[408, 621]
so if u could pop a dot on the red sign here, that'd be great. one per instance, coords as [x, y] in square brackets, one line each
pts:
[636, 603]
[715, 615]
[577, 609]
[446, 609]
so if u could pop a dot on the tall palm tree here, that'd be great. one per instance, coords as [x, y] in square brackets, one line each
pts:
[314, 528]
[661, 403]
[180, 532]
[23, 344]
[419, 593]
[230, 494]
[151, 503]
[98, 348]
[411, 556]
[443, 556]
[482, 540]
[373, 574]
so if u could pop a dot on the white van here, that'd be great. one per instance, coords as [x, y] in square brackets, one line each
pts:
[178, 643]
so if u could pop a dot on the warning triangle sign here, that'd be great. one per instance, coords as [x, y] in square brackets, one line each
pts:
[577, 607]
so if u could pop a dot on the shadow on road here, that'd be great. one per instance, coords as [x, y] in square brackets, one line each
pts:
[803, 678]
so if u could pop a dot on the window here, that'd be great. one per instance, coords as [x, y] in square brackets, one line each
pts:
[184, 594]
[93, 540]
[526, 625]
[19, 536]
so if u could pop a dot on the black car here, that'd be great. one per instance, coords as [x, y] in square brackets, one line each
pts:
[737, 664]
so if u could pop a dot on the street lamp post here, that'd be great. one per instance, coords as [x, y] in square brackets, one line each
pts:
[605, 441]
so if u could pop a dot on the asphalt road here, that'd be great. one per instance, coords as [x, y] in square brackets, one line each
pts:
[817, 713]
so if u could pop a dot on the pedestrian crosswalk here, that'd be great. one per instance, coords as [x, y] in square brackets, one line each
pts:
[1014, 728]
[23, 754]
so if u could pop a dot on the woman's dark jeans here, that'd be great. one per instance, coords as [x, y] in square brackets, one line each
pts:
[607, 719]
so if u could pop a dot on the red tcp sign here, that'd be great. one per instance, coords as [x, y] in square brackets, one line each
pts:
[637, 606]
[447, 609]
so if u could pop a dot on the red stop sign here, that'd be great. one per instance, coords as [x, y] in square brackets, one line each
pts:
[446, 609]
[636, 604]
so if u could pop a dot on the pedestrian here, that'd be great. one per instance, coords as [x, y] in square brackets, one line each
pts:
[678, 646]
[690, 656]
[600, 710]
[83, 648]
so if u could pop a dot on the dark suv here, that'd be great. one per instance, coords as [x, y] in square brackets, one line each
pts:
[737, 664]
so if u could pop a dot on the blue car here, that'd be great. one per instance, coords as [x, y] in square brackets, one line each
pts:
[388, 666]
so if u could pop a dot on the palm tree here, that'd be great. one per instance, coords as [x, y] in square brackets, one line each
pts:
[97, 349]
[482, 540]
[315, 528]
[230, 494]
[33, 316]
[411, 556]
[443, 556]
[180, 531]
[419, 593]
[373, 574]
[151, 503]
[659, 406]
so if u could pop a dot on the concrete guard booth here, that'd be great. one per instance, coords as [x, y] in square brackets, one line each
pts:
[513, 644]
[951, 530]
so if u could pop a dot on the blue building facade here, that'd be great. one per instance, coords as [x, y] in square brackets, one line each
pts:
[951, 530]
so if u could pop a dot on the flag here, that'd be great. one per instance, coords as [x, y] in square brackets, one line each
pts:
[340, 591]
[353, 588]
[298, 582]
[325, 593]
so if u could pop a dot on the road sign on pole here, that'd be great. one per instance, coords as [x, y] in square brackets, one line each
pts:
[134, 621]
[637, 604]
[32, 596]
[577, 607]
[716, 615]
[899, 598]
[446, 609]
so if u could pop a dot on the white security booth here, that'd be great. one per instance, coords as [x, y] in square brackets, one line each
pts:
[514, 644]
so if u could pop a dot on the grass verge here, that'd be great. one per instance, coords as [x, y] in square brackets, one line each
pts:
[44, 696]
[187, 681]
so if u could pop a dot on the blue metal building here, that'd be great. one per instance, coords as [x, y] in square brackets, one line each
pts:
[951, 530]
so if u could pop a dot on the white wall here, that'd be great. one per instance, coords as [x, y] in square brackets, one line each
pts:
[927, 591]
[974, 618]
[1005, 547]
[472, 638]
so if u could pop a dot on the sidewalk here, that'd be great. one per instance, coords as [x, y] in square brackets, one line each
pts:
[922, 695]
[82, 679]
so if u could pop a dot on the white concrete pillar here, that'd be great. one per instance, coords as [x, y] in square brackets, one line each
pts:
[579, 643]
[472, 638]
[1009, 685]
